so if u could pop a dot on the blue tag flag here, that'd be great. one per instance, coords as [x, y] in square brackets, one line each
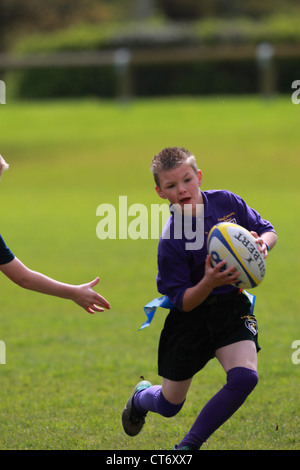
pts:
[165, 302]
[151, 307]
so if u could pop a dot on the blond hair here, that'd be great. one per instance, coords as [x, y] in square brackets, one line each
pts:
[171, 157]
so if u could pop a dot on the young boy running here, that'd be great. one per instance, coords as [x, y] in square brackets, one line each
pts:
[209, 318]
[84, 294]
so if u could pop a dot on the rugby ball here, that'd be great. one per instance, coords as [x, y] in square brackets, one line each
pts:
[234, 244]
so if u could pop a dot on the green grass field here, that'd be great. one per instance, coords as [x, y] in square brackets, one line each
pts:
[68, 374]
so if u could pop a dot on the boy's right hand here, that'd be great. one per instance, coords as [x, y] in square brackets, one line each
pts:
[220, 275]
[213, 277]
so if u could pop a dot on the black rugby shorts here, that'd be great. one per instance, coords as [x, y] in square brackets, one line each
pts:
[189, 339]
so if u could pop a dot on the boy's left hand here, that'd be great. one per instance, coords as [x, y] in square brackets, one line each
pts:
[261, 246]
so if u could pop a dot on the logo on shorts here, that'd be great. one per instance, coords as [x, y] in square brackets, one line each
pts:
[251, 324]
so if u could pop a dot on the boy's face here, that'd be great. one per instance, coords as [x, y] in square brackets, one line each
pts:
[180, 185]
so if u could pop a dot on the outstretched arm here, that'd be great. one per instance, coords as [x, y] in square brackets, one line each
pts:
[84, 294]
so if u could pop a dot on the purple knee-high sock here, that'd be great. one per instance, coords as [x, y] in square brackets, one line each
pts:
[240, 383]
[152, 399]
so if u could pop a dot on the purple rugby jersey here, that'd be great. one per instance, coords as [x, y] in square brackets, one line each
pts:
[179, 268]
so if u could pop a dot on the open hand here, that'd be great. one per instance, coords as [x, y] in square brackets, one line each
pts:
[89, 299]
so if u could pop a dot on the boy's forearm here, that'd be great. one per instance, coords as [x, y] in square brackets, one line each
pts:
[38, 282]
[83, 294]
[195, 295]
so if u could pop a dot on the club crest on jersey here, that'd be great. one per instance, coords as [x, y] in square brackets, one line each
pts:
[229, 218]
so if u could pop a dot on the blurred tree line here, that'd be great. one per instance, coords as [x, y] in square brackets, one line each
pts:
[71, 25]
[19, 17]
[195, 9]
